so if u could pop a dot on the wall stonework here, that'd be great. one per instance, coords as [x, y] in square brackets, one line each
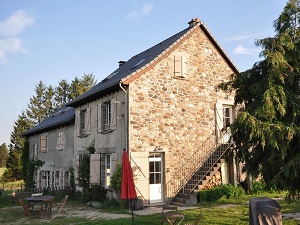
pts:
[178, 114]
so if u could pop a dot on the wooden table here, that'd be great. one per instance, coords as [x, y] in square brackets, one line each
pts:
[46, 202]
[170, 217]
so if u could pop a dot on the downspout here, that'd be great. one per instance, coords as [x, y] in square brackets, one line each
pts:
[126, 116]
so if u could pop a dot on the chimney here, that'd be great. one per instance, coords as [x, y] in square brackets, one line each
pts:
[121, 63]
[193, 22]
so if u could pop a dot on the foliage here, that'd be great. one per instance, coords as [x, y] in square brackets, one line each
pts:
[267, 131]
[3, 154]
[72, 178]
[220, 191]
[13, 162]
[84, 167]
[25, 159]
[13, 165]
[32, 165]
[93, 193]
[116, 179]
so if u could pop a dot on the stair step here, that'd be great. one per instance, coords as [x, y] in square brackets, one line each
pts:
[178, 204]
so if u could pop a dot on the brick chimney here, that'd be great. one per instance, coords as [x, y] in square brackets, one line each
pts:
[193, 22]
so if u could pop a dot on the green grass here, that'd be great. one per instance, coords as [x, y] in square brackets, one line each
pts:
[214, 213]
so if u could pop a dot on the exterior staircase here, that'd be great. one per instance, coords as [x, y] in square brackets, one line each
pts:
[196, 172]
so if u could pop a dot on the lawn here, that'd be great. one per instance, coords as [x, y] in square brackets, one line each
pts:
[223, 212]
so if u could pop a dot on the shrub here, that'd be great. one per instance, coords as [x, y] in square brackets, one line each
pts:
[116, 180]
[220, 191]
[94, 193]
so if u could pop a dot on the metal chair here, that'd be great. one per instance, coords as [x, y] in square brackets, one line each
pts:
[197, 220]
[61, 204]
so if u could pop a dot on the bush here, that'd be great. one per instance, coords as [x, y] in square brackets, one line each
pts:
[116, 180]
[95, 193]
[220, 191]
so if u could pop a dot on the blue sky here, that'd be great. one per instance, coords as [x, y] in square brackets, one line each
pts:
[59, 39]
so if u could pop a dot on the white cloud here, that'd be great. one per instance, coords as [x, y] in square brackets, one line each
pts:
[240, 49]
[10, 29]
[145, 10]
[10, 46]
[16, 23]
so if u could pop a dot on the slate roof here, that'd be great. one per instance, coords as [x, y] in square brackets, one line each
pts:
[134, 66]
[139, 62]
[61, 117]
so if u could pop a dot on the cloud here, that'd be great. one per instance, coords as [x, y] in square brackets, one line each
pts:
[145, 10]
[10, 30]
[12, 46]
[16, 23]
[240, 49]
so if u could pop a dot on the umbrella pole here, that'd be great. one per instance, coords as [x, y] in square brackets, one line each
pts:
[131, 201]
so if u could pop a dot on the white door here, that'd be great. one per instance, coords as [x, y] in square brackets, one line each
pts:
[155, 177]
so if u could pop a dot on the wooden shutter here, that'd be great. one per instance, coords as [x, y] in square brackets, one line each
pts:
[140, 168]
[113, 108]
[95, 169]
[219, 119]
[184, 69]
[114, 161]
[177, 66]
[77, 123]
[99, 118]
[87, 121]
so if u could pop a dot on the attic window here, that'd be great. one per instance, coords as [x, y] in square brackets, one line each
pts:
[140, 62]
[179, 68]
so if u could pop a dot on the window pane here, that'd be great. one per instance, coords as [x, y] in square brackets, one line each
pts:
[152, 181]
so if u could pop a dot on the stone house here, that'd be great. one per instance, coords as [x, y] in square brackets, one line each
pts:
[163, 107]
[52, 141]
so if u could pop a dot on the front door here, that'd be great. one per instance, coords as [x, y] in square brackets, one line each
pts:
[155, 177]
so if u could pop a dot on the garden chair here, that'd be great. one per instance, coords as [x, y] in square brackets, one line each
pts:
[170, 215]
[61, 204]
[197, 220]
[25, 207]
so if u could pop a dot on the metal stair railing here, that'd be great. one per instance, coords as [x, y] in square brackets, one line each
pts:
[185, 172]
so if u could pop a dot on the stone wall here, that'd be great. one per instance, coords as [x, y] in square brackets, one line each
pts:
[177, 114]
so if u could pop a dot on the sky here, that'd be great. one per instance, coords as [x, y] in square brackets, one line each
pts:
[49, 41]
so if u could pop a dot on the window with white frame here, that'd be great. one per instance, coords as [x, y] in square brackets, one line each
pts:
[83, 122]
[106, 116]
[60, 141]
[44, 142]
[107, 169]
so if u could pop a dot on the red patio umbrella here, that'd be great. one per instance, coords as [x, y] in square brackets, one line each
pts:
[128, 191]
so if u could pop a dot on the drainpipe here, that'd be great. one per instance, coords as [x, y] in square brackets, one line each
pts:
[126, 116]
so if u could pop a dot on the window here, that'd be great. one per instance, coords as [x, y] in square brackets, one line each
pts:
[106, 116]
[107, 169]
[44, 142]
[60, 141]
[179, 67]
[45, 180]
[83, 122]
[227, 116]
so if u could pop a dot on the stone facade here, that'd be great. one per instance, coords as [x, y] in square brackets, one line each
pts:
[178, 114]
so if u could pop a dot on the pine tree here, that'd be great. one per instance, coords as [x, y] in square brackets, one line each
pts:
[61, 94]
[36, 108]
[13, 162]
[267, 131]
[79, 86]
[3, 154]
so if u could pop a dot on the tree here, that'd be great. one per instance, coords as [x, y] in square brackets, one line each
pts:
[13, 162]
[61, 94]
[79, 86]
[3, 154]
[37, 110]
[267, 130]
